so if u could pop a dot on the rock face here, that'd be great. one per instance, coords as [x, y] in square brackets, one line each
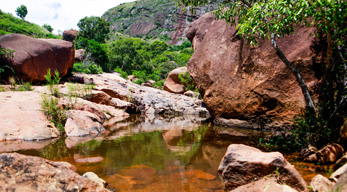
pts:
[21, 117]
[26, 173]
[33, 57]
[154, 18]
[173, 83]
[70, 35]
[242, 164]
[239, 81]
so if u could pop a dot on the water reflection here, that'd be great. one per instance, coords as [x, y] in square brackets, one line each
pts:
[151, 154]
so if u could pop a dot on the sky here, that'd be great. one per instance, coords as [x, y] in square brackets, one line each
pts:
[60, 14]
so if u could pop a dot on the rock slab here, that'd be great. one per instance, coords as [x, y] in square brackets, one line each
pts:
[21, 117]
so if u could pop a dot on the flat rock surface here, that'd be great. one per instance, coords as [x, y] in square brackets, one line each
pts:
[21, 117]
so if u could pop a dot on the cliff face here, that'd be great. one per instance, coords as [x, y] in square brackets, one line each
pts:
[153, 18]
[248, 86]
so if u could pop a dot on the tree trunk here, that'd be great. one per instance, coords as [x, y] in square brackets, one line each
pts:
[300, 80]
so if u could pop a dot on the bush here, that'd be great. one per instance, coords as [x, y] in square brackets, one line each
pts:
[187, 81]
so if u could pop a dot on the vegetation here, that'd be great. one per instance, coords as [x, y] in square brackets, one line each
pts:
[11, 24]
[93, 28]
[92, 36]
[48, 27]
[22, 11]
[256, 20]
[54, 113]
[187, 81]
[147, 61]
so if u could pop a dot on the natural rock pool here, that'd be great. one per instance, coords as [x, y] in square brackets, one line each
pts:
[154, 154]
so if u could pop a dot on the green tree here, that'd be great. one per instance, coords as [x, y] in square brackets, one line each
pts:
[48, 27]
[94, 28]
[22, 11]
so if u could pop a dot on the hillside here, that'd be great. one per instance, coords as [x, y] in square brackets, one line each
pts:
[11, 24]
[153, 18]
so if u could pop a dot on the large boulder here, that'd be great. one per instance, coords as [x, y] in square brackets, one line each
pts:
[240, 81]
[27, 173]
[243, 164]
[33, 57]
[70, 35]
[21, 117]
[173, 83]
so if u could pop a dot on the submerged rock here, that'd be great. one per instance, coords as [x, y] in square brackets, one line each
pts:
[242, 82]
[329, 154]
[243, 164]
[27, 173]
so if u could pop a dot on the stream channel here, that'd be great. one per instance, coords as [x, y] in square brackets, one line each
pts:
[160, 154]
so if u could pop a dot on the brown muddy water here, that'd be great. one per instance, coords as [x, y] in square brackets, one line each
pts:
[158, 154]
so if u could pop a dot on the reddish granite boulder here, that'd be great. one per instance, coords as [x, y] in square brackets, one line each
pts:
[239, 81]
[173, 83]
[243, 164]
[33, 57]
[70, 35]
[27, 173]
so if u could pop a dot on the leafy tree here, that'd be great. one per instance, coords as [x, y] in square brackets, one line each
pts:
[94, 28]
[48, 27]
[22, 11]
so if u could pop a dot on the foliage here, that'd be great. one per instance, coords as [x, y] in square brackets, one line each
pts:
[54, 113]
[87, 67]
[53, 81]
[122, 73]
[22, 11]
[48, 27]
[10, 24]
[146, 61]
[4, 55]
[95, 53]
[94, 28]
[80, 90]
[187, 81]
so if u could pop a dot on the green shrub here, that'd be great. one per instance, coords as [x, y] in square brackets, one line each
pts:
[50, 108]
[53, 81]
[122, 73]
[53, 112]
[187, 81]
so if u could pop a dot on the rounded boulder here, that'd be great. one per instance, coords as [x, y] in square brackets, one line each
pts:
[33, 57]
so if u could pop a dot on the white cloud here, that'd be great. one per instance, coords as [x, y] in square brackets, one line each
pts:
[60, 14]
